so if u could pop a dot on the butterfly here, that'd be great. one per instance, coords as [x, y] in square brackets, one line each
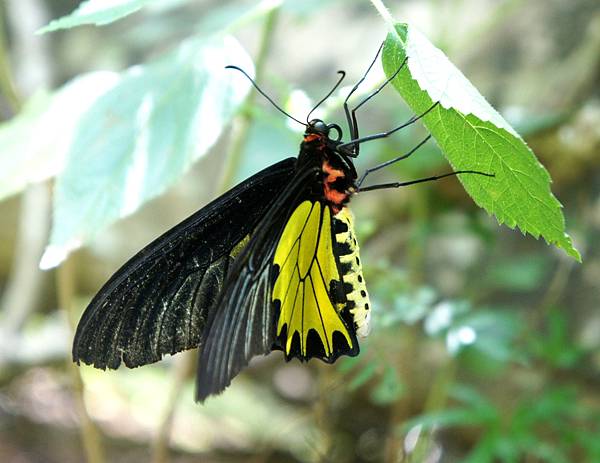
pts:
[272, 264]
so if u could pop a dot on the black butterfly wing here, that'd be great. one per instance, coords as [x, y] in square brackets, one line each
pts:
[244, 326]
[238, 331]
[159, 302]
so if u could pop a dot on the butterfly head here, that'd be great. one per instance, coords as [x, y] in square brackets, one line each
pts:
[322, 130]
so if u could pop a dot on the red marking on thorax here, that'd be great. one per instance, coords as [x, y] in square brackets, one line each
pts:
[311, 137]
[335, 197]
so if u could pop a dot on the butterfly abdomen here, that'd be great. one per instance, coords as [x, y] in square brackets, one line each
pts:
[351, 271]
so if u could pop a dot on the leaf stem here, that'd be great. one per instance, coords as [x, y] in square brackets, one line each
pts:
[384, 12]
[419, 214]
[185, 367]
[401, 409]
[436, 400]
[7, 86]
[23, 286]
[89, 433]
[183, 370]
[242, 128]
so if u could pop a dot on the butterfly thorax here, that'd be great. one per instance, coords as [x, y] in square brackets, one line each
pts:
[337, 182]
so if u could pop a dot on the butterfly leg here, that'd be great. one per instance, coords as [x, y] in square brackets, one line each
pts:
[378, 136]
[355, 137]
[352, 123]
[391, 161]
[383, 186]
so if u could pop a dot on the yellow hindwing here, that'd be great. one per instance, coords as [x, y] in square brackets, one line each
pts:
[307, 266]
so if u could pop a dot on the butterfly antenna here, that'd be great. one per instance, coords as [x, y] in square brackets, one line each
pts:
[265, 95]
[335, 87]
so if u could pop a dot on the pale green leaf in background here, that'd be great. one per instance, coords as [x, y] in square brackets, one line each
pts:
[473, 136]
[142, 135]
[34, 144]
[96, 12]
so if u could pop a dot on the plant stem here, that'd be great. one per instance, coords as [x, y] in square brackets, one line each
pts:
[401, 409]
[384, 12]
[25, 282]
[183, 370]
[89, 433]
[23, 285]
[323, 415]
[242, 129]
[239, 139]
[7, 87]
[436, 400]
[419, 218]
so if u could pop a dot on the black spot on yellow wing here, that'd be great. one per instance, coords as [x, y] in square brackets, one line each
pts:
[310, 321]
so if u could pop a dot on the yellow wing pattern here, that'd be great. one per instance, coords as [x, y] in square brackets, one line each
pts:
[307, 266]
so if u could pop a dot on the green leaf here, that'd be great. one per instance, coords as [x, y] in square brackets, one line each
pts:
[473, 136]
[445, 418]
[96, 12]
[484, 449]
[142, 135]
[474, 399]
[347, 364]
[363, 376]
[34, 144]
[554, 345]
[519, 273]
[389, 389]
[495, 330]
